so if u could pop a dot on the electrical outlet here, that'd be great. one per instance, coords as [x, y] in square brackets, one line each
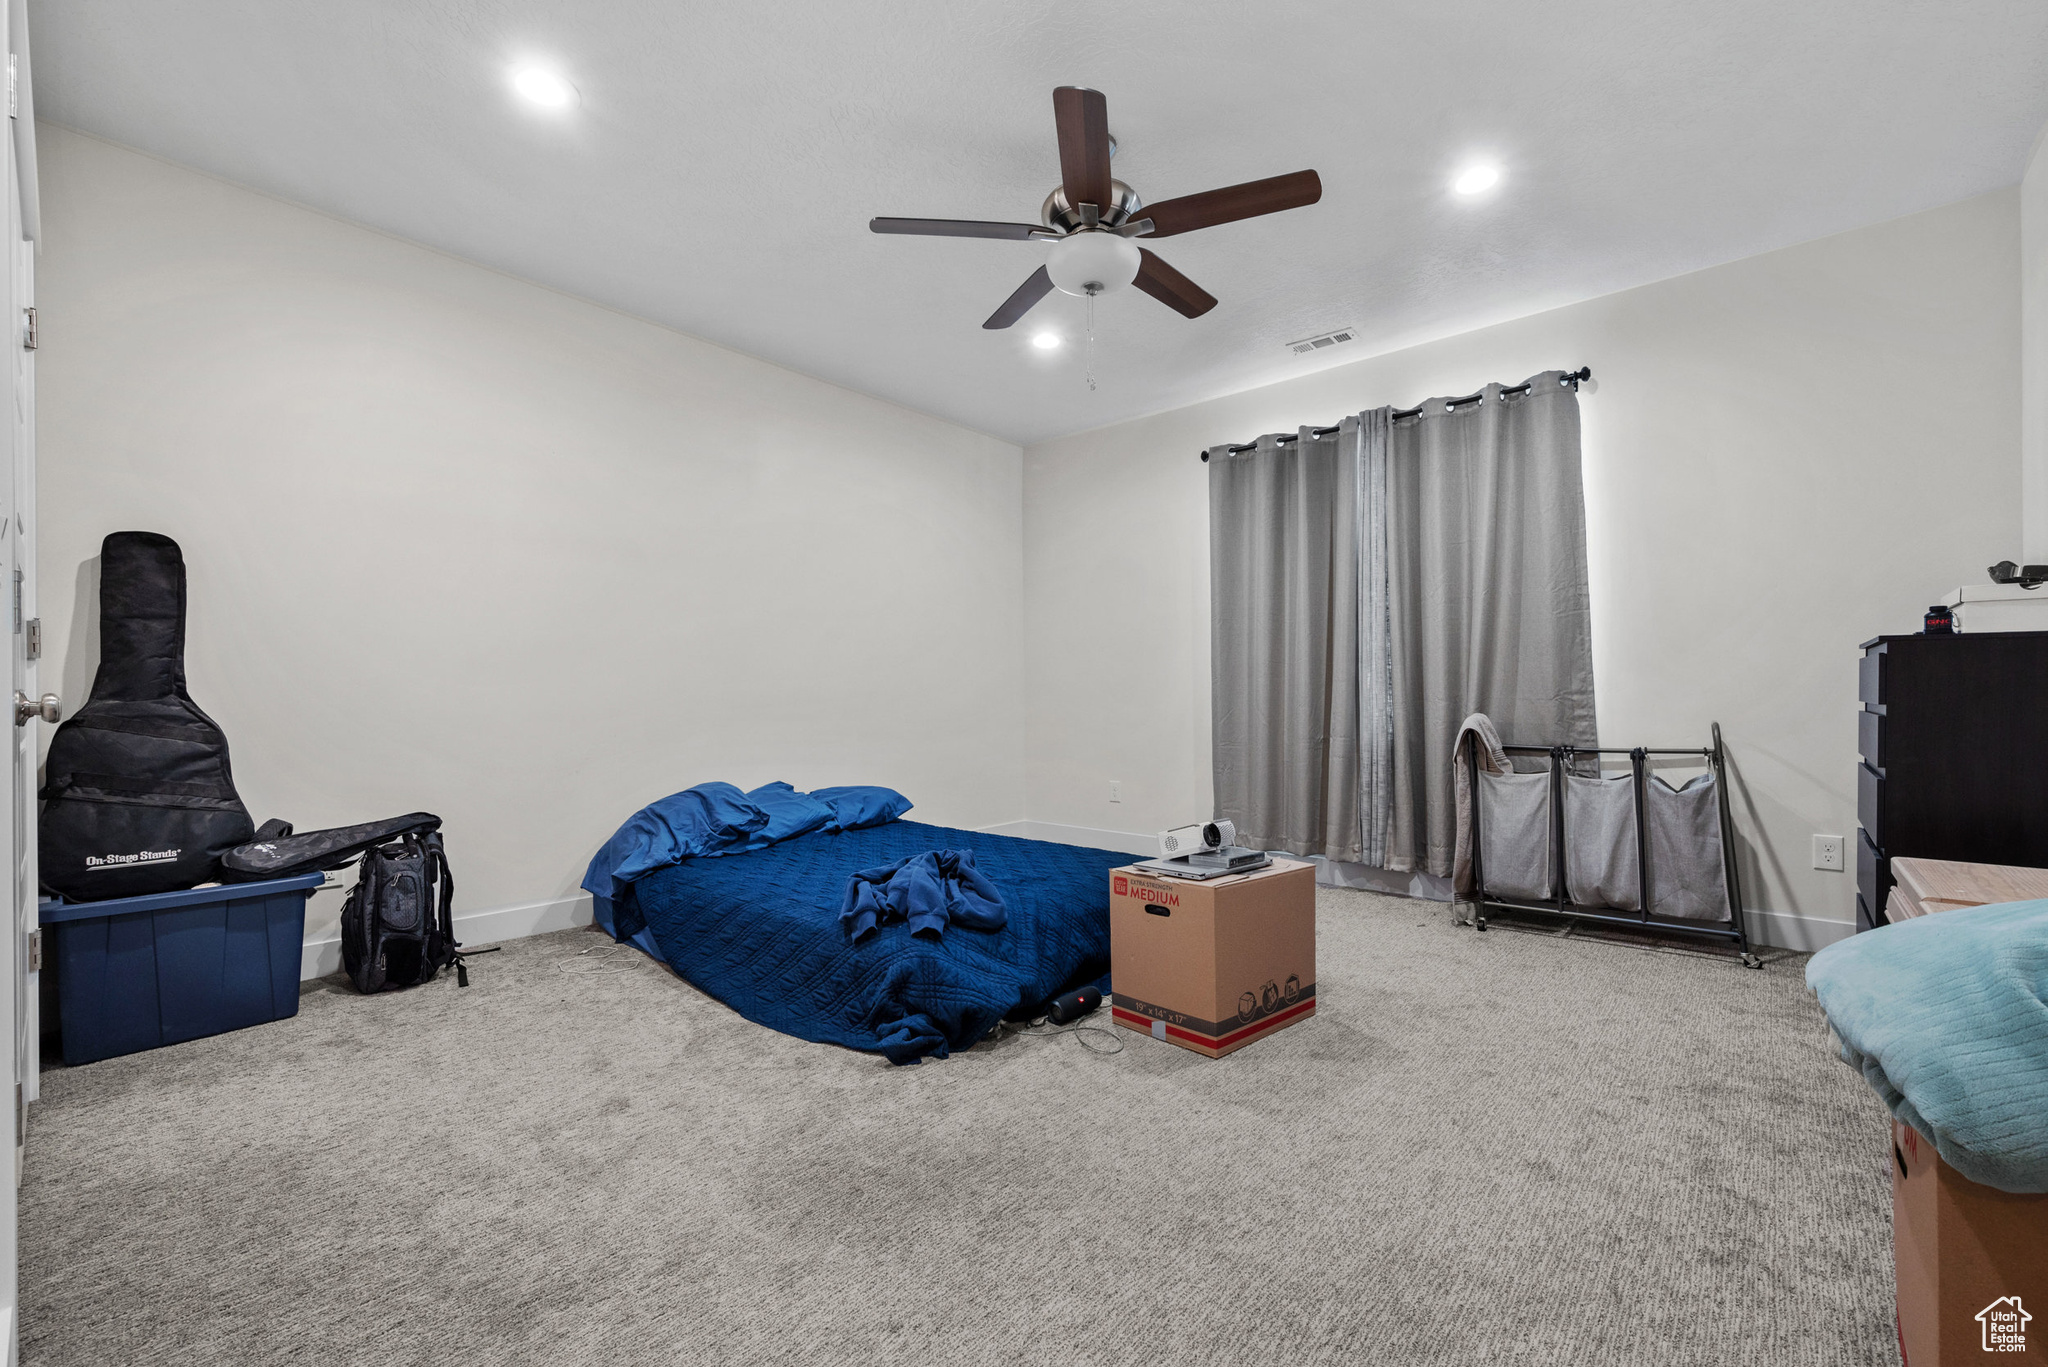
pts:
[1827, 853]
[1116, 790]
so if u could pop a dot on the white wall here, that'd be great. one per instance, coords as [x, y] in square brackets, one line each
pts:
[2034, 349]
[461, 543]
[1784, 456]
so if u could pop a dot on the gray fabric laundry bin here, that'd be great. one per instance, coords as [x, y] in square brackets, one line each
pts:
[1688, 878]
[1514, 835]
[1602, 866]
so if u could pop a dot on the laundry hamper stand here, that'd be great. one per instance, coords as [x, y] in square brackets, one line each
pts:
[1560, 903]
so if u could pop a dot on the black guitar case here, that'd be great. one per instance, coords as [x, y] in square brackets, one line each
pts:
[138, 796]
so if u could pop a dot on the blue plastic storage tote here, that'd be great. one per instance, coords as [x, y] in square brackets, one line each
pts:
[137, 972]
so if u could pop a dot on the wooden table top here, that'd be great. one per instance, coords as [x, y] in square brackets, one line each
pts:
[1942, 884]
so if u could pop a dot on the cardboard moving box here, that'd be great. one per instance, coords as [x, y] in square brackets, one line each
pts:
[1972, 1262]
[1212, 966]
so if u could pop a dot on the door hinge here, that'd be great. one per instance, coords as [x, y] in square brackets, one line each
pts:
[33, 646]
[17, 601]
[28, 329]
[13, 85]
[35, 951]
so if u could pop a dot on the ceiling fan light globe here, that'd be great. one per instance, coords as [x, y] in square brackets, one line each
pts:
[1091, 263]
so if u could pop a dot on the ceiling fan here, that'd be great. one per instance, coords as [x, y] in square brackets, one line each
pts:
[1090, 219]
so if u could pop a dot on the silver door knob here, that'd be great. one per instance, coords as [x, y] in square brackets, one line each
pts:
[51, 708]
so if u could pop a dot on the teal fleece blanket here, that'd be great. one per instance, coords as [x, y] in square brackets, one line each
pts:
[1946, 1016]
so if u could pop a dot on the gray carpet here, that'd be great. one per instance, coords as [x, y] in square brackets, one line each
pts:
[1485, 1148]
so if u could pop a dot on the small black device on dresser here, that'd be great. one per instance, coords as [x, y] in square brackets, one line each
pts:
[1954, 739]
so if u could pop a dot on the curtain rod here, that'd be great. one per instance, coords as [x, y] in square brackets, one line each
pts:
[1570, 377]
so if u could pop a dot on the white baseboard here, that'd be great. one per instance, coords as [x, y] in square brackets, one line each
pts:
[321, 957]
[1788, 930]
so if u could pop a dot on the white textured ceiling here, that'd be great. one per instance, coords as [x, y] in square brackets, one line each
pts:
[720, 172]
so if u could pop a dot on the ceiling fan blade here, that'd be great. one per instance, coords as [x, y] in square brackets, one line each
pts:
[1019, 304]
[957, 227]
[1082, 118]
[1170, 287]
[1233, 202]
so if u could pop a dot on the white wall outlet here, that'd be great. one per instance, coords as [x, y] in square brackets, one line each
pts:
[1116, 790]
[1827, 853]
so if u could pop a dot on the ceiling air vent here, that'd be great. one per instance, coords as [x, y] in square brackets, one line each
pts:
[1319, 343]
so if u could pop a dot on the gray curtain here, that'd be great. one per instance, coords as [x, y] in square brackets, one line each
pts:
[1370, 431]
[1486, 592]
[1369, 590]
[1284, 652]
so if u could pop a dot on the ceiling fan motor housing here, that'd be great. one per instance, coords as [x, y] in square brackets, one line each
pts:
[1123, 206]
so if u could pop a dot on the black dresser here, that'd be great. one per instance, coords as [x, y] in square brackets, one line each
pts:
[1954, 738]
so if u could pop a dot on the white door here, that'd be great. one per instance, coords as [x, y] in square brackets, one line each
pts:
[27, 643]
[18, 979]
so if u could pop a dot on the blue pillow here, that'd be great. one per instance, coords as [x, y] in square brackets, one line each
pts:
[862, 805]
[709, 819]
[790, 813]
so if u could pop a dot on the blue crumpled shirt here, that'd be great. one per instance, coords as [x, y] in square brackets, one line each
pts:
[927, 890]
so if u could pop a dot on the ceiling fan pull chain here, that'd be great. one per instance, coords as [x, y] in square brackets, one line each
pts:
[1091, 338]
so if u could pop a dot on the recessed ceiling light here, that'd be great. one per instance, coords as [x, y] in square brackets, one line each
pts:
[543, 87]
[1475, 179]
[1046, 341]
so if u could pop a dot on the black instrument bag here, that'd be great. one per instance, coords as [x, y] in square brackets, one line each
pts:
[138, 796]
[277, 853]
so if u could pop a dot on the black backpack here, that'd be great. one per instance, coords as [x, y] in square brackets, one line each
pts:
[138, 796]
[397, 926]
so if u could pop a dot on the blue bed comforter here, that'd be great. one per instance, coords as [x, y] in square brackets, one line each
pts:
[760, 931]
[1946, 1016]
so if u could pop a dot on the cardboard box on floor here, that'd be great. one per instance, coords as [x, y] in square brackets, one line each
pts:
[1971, 1261]
[1212, 966]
